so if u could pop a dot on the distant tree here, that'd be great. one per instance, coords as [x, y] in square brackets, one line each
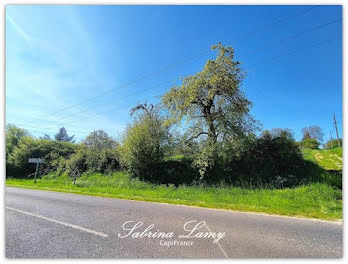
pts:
[332, 143]
[99, 139]
[62, 135]
[46, 136]
[313, 132]
[306, 135]
[282, 132]
[310, 143]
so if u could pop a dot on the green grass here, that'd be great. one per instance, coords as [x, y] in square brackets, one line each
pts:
[314, 200]
[328, 159]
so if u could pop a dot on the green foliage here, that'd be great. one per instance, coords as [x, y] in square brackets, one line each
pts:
[90, 160]
[270, 161]
[144, 144]
[97, 153]
[100, 140]
[310, 143]
[211, 101]
[13, 136]
[28, 147]
[212, 104]
[334, 143]
[76, 160]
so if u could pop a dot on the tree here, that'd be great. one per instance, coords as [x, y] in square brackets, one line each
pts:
[99, 140]
[282, 132]
[310, 143]
[314, 132]
[213, 105]
[62, 135]
[144, 142]
[13, 136]
[211, 100]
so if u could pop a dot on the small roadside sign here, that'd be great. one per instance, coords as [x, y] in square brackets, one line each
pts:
[37, 161]
[75, 174]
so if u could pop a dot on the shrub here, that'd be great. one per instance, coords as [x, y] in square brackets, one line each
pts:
[270, 161]
[13, 136]
[93, 160]
[175, 172]
[52, 151]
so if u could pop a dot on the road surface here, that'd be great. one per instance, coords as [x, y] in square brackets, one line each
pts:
[44, 224]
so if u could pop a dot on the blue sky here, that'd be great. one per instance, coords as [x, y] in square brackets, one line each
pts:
[59, 56]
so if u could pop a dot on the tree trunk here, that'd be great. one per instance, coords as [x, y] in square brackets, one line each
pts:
[210, 122]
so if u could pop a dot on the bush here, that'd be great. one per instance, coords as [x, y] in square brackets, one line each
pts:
[270, 161]
[52, 151]
[13, 136]
[93, 160]
[175, 172]
[310, 143]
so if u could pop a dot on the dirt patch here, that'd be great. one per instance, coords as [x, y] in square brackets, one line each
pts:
[318, 156]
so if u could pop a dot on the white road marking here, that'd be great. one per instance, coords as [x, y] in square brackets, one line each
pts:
[217, 242]
[59, 222]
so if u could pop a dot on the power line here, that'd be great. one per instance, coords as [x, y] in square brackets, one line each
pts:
[271, 43]
[291, 51]
[257, 49]
[123, 97]
[180, 62]
[288, 52]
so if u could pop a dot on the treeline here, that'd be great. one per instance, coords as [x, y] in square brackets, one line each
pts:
[150, 152]
[201, 132]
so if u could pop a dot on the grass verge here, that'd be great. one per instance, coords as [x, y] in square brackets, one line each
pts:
[315, 200]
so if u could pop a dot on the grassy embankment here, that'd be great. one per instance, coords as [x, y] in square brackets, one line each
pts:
[329, 159]
[313, 200]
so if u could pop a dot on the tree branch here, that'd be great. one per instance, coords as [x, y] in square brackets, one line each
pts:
[196, 136]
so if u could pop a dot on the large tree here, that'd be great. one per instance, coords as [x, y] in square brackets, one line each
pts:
[211, 101]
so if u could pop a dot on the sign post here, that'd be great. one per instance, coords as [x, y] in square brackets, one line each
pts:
[75, 174]
[37, 161]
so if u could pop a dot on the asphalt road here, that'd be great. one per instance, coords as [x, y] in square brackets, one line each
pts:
[43, 224]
